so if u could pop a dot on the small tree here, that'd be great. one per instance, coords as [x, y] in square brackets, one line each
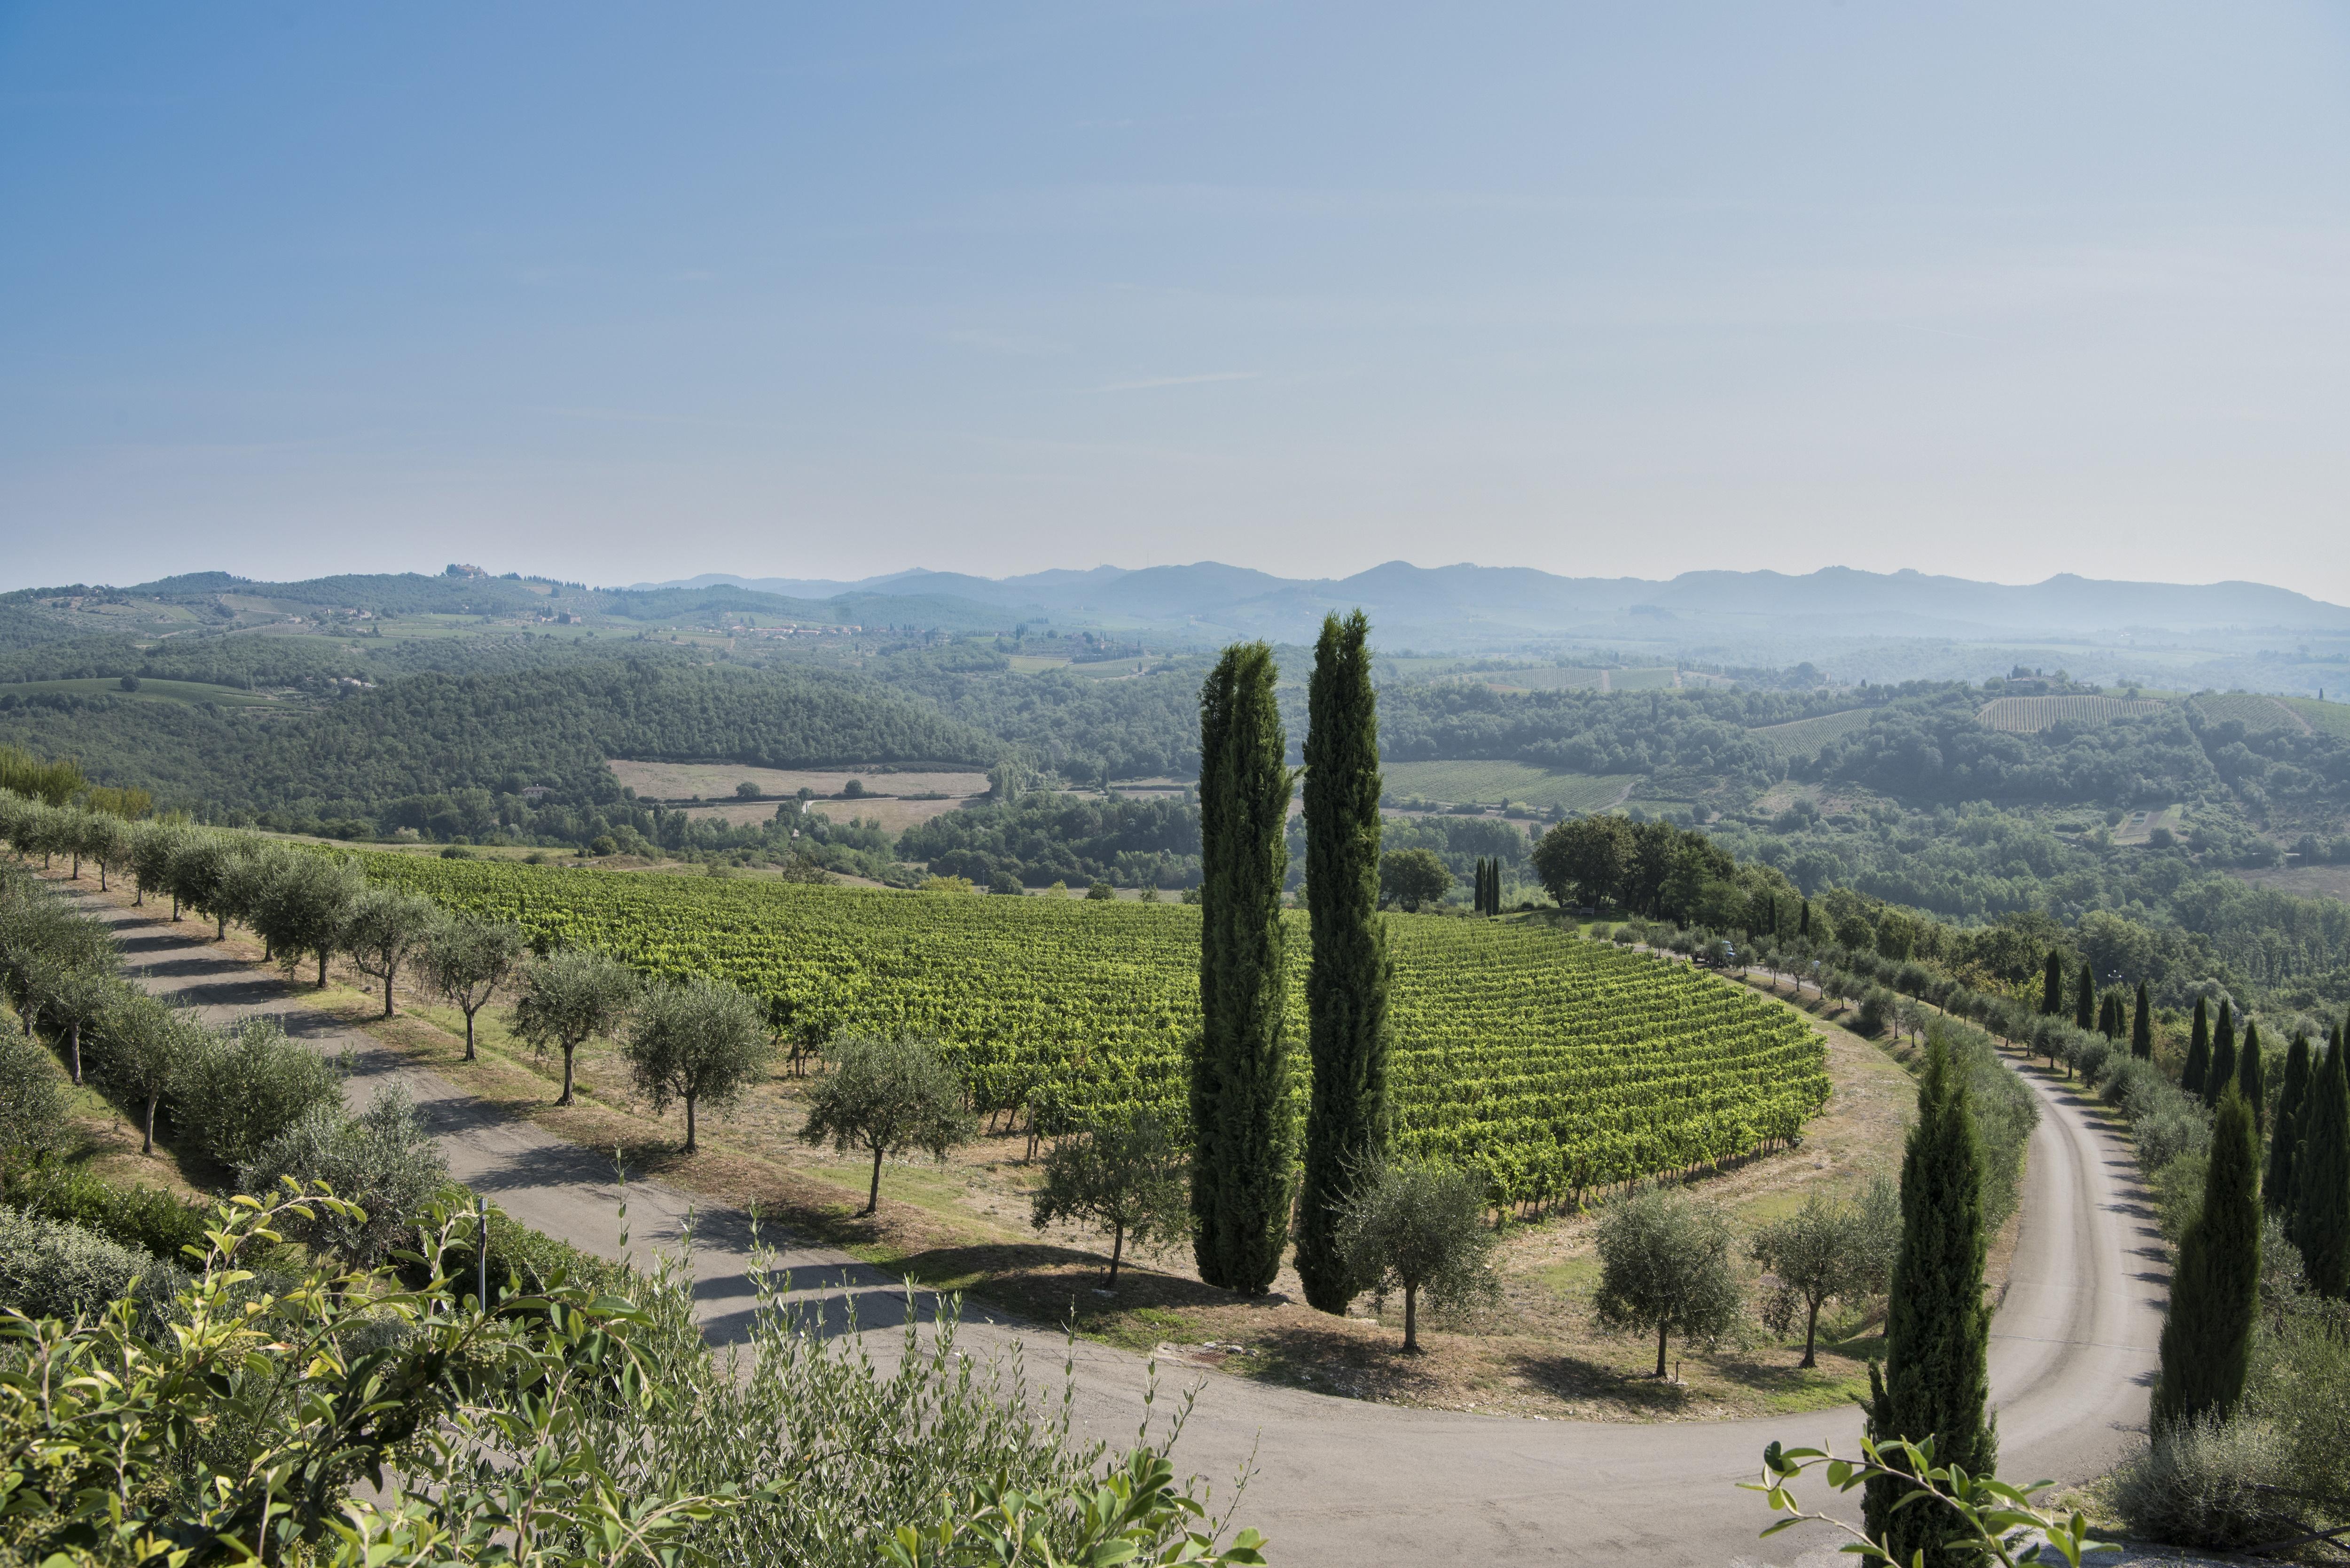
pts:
[1128, 1178]
[74, 1000]
[569, 999]
[32, 1107]
[199, 872]
[1412, 878]
[1416, 1228]
[1100, 892]
[106, 839]
[694, 1041]
[888, 1096]
[2207, 1333]
[142, 1043]
[1664, 1264]
[384, 929]
[1818, 1253]
[466, 960]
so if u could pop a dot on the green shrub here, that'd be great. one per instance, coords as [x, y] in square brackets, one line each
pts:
[50, 1268]
[2214, 1484]
[379, 1160]
[144, 1217]
[32, 1103]
[522, 1261]
[236, 1091]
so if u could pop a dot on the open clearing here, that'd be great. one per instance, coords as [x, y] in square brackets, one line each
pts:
[2309, 882]
[149, 691]
[1501, 782]
[716, 781]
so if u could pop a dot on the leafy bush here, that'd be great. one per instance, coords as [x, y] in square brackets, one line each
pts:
[2005, 1112]
[522, 1261]
[379, 1160]
[144, 1217]
[50, 1268]
[2212, 1484]
[32, 1103]
[237, 1090]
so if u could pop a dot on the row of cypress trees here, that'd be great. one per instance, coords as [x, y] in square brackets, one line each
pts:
[2113, 1015]
[2207, 1333]
[1243, 1156]
[1488, 885]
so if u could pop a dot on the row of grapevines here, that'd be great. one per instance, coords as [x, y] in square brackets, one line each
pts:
[1554, 1065]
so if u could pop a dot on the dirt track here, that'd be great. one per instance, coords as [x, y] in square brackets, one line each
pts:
[1339, 1481]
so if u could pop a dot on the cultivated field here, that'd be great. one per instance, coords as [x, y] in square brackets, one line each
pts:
[2030, 715]
[1558, 679]
[149, 691]
[1552, 1064]
[2330, 717]
[1501, 782]
[1807, 735]
[716, 781]
[2254, 711]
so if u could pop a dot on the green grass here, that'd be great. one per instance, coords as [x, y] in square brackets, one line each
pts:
[2330, 717]
[149, 691]
[1456, 782]
[1807, 735]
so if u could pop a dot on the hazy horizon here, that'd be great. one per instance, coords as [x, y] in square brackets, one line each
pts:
[1996, 294]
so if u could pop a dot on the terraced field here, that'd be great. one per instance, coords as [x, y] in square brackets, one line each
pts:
[1551, 1065]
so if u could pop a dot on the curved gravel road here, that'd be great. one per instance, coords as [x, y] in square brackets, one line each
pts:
[1341, 1481]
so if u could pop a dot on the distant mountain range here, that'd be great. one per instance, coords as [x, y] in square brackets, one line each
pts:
[1468, 605]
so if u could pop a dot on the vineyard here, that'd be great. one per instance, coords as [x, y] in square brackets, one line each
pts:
[1553, 1065]
[2030, 715]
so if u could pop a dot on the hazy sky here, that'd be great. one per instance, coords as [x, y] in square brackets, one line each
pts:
[831, 290]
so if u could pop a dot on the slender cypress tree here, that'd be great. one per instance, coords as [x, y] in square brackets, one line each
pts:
[2248, 1071]
[2142, 1026]
[2085, 1000]
[1241, 1169]
[2109, 1016]
[2207, 1334]
[2052, 984]
[2276, 1191]
[2320, 1177]
[1936, 1381]
[2223, 1070]
[1347, 989]
[2198, 1051]
[1803, 921]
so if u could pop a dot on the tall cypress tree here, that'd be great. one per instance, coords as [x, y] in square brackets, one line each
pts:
[1803, 921]
[2276, 1191]
[2198, 1051]
[2223, 1069]
[1936, 1381]
[2320, 1177]
[2052, 984]
[1347, 989]
[2248, 1071]
[1243, 1145]
[2109, 1016]
[2085, 1000]
[2207, 1334]
[2142, 1026]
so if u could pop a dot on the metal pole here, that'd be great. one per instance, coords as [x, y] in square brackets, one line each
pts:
[482, 1250]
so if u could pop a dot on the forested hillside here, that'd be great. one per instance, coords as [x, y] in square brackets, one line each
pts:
[393, 752]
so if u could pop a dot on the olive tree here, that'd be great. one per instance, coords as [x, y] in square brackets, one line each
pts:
[383, 929]
[466, 962]
[198, 877]
[152, 846]
[888, 1096]
[569, 997]
[105, 839]
[302, 908]
[1128, 1177]
[1818, 1253]
[1419, 1227]
[1664, 1264]
[32, 1106]
[141, 1044]
[696, 1041]
[74, 999]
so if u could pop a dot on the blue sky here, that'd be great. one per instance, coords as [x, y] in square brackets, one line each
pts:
[620, 293]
